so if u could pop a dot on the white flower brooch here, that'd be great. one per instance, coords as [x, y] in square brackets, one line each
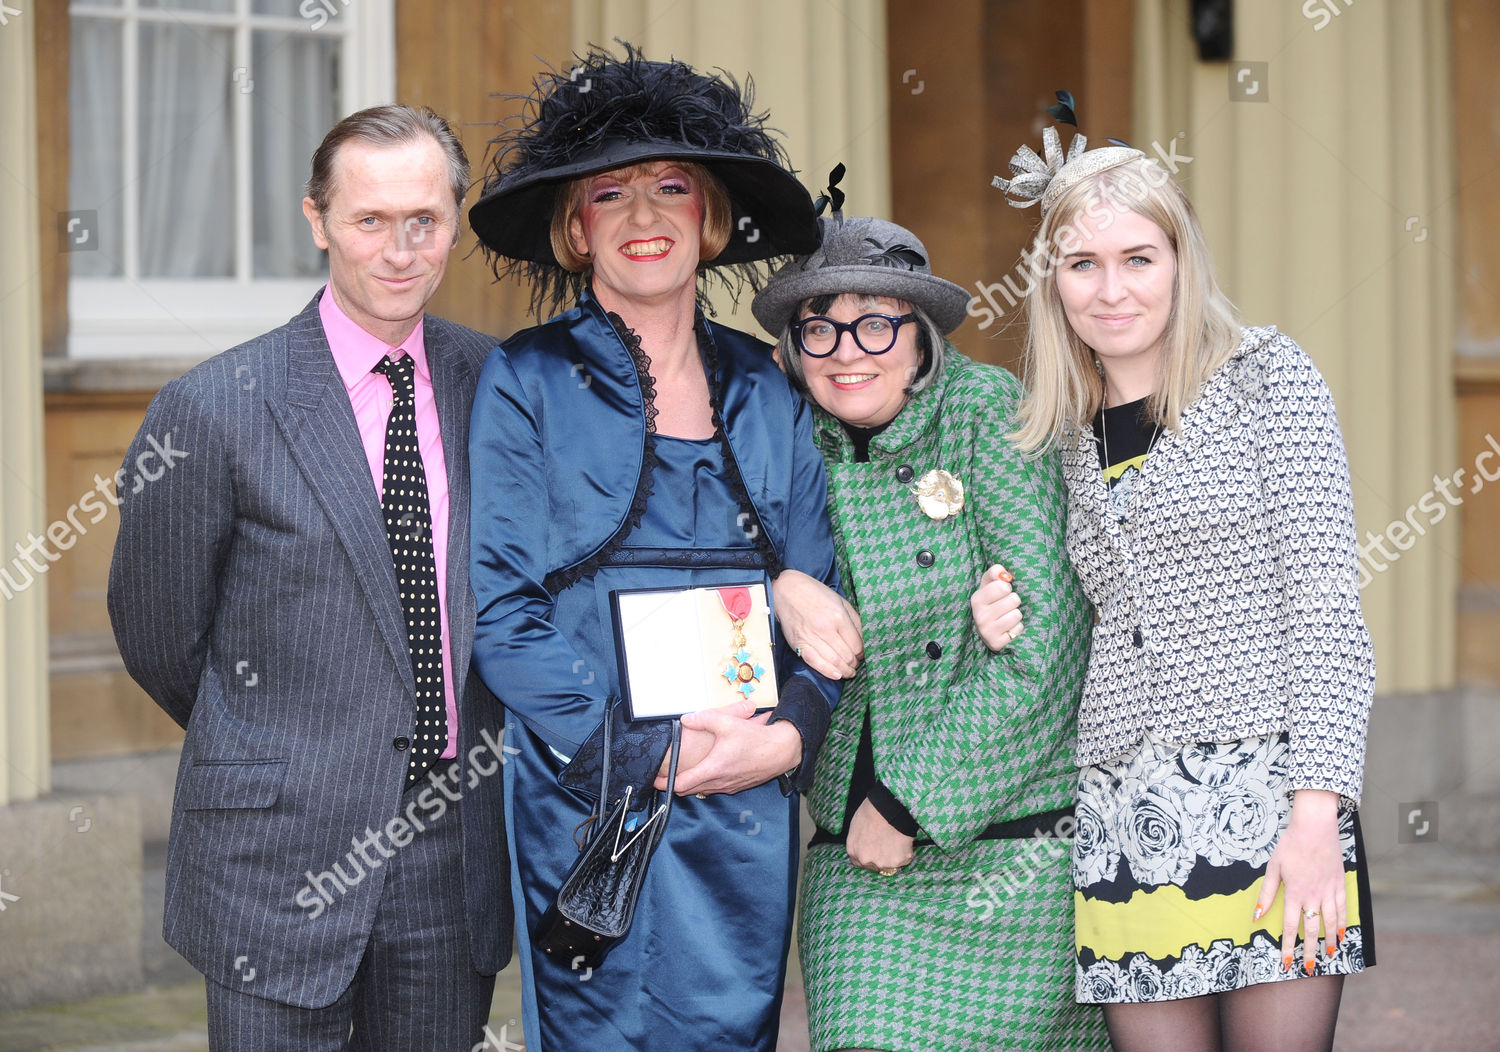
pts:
[939, 494]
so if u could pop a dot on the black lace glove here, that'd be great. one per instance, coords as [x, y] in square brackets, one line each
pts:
[636, 747]
[803, 707]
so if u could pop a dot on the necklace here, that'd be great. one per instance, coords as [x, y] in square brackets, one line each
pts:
[1104, 430]
[1119, 493]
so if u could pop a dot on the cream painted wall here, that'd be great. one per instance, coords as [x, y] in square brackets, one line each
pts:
[1330, 209]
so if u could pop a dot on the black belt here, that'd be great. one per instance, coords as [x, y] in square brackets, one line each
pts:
[1039, 825]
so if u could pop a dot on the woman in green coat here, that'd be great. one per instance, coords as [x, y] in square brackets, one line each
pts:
[936, 906]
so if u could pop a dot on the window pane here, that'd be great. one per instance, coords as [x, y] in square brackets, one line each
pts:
[295, 102]
[95, 243]
[291, 8]
[186, 168]
[316, 13]
[191, 5]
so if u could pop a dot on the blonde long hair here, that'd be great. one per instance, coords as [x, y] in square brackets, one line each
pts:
[1063, 383]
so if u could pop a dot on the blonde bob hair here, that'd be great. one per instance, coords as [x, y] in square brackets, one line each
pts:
[718, 222]
[1065, 388]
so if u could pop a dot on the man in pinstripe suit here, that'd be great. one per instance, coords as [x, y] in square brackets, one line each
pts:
[320, 885]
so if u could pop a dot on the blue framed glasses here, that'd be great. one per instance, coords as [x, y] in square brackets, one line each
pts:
[818, 337]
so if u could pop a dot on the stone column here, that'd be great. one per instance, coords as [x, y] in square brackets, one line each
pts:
[70, 868]
[24, 743]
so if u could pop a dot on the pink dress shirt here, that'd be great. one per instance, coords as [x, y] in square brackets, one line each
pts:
[356, 353]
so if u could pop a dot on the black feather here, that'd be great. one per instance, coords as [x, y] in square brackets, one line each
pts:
[899, 256]
[833, 191]
[1063, 112]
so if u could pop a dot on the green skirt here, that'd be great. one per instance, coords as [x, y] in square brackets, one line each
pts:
[968, 950]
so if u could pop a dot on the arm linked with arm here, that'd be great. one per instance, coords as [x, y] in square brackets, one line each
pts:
[807, 697]
[1003, 701]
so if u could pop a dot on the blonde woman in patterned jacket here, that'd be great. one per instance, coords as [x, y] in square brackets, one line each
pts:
[936, 908]
[1220, 884]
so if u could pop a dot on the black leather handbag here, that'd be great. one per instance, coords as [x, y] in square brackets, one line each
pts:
[596, 904]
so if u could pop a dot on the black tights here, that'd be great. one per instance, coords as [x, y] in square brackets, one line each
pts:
[1296, 1015]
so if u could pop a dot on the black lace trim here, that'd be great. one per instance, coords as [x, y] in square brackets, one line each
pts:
[732, 476]
[565, 578]
[559, 580]
[642, 361]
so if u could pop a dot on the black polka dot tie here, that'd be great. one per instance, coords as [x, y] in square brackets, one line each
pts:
[408, 527]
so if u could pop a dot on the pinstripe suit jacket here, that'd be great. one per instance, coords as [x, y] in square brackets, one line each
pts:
[253, 597]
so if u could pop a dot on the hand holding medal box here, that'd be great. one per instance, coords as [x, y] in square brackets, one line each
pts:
[685, 649]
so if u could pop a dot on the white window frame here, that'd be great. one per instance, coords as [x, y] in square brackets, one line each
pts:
[134, 317]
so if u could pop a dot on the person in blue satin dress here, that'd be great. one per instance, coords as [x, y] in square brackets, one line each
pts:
[632, 443]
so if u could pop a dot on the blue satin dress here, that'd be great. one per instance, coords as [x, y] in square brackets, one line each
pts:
[704, 963]
[572, 496]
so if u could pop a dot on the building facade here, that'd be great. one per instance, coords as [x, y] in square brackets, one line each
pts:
[1342, 154]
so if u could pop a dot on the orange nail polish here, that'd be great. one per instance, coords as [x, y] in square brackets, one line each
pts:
[1341, 935]
[1308, 967]
[1256, 915]
[1006, 576]
[1331, 949]
[1286, 964]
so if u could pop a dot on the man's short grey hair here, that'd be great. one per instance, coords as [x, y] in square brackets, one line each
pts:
[931, 344]
[388, 126]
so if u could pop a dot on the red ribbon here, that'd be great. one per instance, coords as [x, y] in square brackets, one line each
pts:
[736, 602]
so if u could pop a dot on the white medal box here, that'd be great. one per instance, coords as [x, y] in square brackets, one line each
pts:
[679, 651]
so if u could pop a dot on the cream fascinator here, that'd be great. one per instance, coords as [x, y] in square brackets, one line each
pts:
[1048, 177]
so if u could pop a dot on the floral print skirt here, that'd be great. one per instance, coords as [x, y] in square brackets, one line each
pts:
[1168, 858]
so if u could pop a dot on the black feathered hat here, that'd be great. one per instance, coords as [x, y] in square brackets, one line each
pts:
[607, 113]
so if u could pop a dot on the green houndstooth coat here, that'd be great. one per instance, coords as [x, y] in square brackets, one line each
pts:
[970, 946]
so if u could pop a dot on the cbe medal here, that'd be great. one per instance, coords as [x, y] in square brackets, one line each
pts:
[741, 671]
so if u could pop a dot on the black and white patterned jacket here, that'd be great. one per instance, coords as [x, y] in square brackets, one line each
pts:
[1228, 597]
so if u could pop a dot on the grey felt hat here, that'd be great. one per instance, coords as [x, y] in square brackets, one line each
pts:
[864, 255]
